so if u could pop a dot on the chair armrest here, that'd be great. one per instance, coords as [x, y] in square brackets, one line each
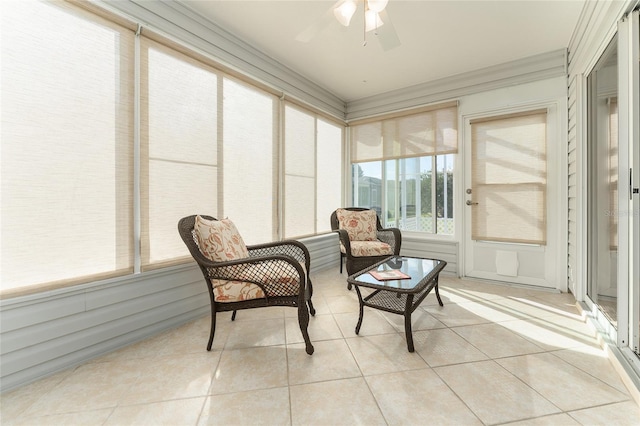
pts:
[344, 239]
[274, 274]
[292, 248]
[391, 236]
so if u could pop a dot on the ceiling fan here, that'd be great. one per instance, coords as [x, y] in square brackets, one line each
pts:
[375, 19]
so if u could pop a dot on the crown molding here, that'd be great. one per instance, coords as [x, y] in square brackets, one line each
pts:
[533, 68]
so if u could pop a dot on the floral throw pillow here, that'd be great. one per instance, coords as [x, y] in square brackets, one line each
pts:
[360, 225]
[219, 240]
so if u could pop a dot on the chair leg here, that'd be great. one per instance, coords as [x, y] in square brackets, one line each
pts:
[341, 259]
[303, 320]
[213, 327]
[312, 310]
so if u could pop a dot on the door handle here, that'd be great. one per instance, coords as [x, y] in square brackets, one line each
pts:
[471, 203]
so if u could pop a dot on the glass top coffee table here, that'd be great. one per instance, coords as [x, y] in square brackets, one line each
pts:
[398, 296]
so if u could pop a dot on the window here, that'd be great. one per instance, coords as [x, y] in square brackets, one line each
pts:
[67, 146]
[402, 167]
[509, 178]
[179, 147]
[313, 177]
[93, 188]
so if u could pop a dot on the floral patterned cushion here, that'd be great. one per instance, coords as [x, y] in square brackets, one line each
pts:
[219, 240]
[368, 248]
[235, 291]
[360, 225]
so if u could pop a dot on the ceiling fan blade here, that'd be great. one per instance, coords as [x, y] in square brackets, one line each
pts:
[319, 25]
[386, 34]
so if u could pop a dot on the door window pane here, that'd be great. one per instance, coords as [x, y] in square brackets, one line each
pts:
[509, 178]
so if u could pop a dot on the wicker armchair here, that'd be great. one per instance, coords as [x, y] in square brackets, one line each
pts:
[277, 273]
[384, 243]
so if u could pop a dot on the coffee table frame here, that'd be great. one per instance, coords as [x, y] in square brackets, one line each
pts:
[400, 297]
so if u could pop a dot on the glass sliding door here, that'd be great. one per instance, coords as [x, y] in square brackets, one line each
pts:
[602, 183]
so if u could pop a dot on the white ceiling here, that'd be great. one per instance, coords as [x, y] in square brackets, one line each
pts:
[438, 38]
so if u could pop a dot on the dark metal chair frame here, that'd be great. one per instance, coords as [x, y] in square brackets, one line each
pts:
[273, 259]
[391, 236]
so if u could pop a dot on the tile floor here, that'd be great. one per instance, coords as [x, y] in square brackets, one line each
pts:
[492, 355]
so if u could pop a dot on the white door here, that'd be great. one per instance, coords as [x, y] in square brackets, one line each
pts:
[511, 182]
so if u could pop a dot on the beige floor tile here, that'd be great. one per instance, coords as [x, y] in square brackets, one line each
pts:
[250, 369]
[444, 347]
[329, 284]
[373, 322]
[533, 307]
[321, 327]
[496, 341]
[268, 312]
[331, 360]
[169, 413]
[90, 387]
[595, 362]
[337, 402]
[192, 337]
[491, 310]
[620, 414]
[488, 291]
[14, 403]
[455, 315]
[343, 303]
[420, 320]
[83, 418]
[554, 334]
[419, 397]
[259, 407]
[562, 300]
[568, 387]
[254, 333]
[319, 304]
[384, 354]
[494, 394]
[552, 420]
[175, 377]
[189, 338]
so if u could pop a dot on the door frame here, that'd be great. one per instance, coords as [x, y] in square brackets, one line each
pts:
[556, 251]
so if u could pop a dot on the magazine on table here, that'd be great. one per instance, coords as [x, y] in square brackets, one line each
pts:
[391, 274]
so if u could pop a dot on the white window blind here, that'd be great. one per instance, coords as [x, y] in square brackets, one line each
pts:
[329, 172]
[67, 144]
[430, 131]
[509, 178]
[313, 177]
[179, 148]
[249, 161]
[207, 147]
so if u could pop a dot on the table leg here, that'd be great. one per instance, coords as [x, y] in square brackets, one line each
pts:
[361, 309]
[407, 322]
[438, 293]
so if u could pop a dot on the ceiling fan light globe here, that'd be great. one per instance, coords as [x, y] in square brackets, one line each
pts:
[345, 11]
[377, 5]
[372, 20]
